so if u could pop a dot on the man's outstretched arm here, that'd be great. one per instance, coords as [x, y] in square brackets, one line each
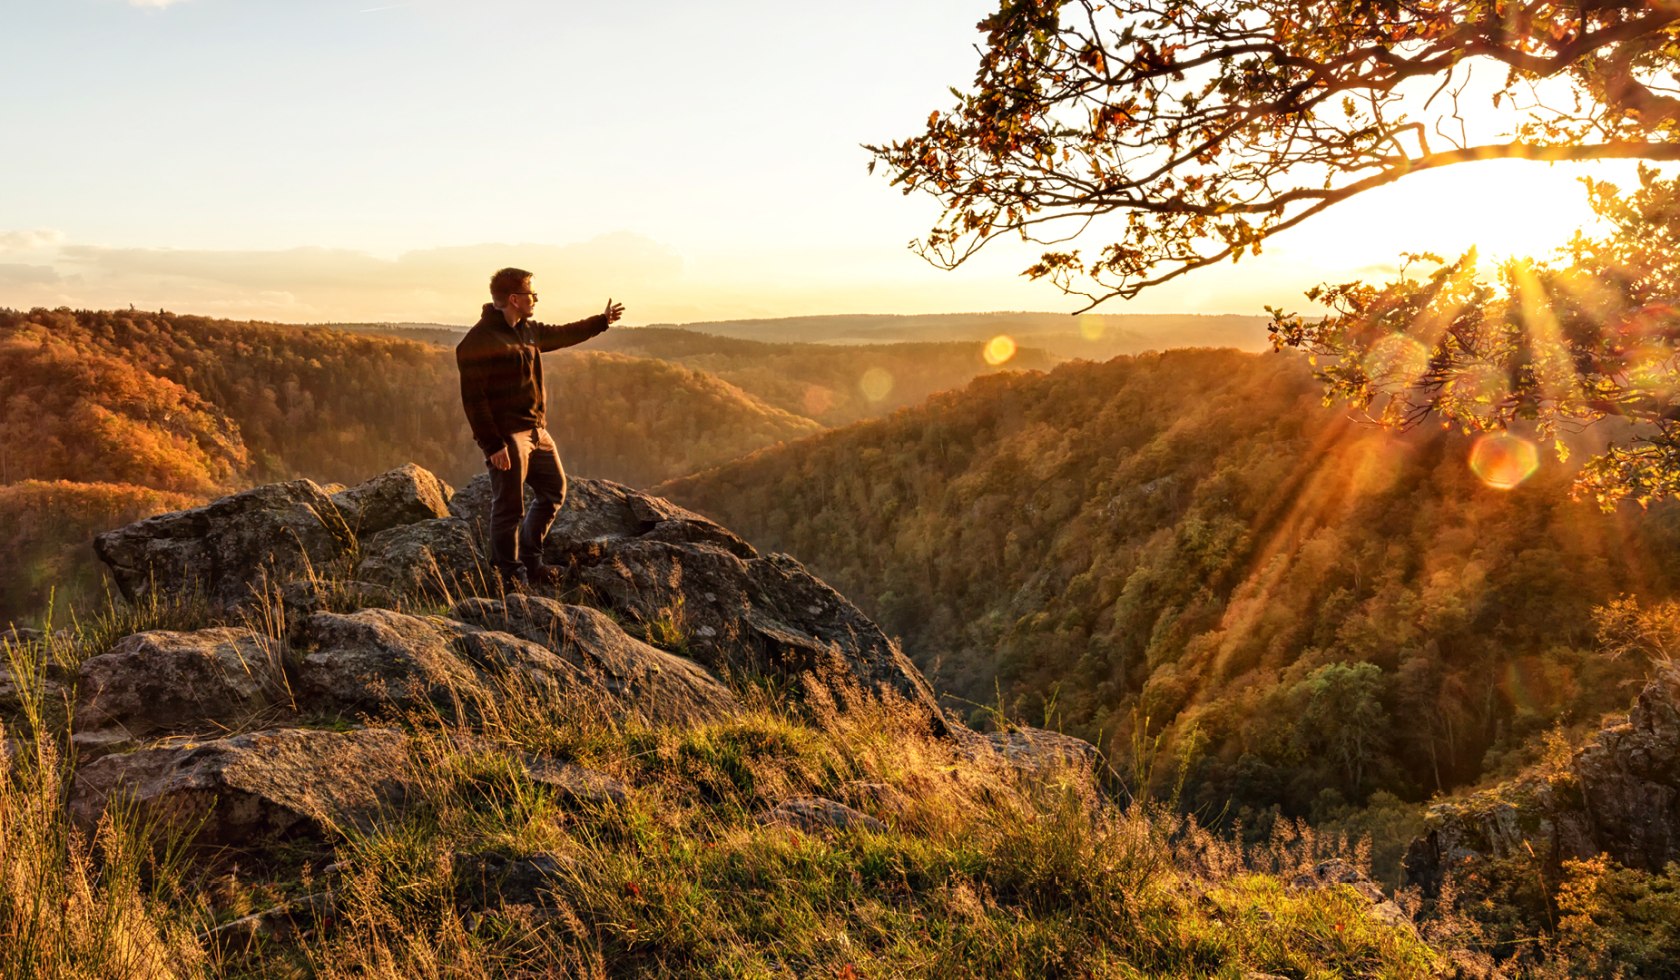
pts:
[551, 337]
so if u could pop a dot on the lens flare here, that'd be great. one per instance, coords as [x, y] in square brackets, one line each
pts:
[817, 400]
[1090, 327]
[1396, 361]
[876, 384]
[1503, 461]
[999, 349]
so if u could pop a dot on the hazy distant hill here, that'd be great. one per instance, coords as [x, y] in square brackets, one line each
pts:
[1091, 336]
[833, 384]
[1190, 543]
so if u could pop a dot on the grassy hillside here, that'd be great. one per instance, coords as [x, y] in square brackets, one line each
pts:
[482, 868]
[1188, 547]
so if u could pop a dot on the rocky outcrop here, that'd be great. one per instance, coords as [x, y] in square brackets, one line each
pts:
[381, 662]
[679, 581]
[246, 788]
[405, 495]
[1619, 795]
[686, 582]
[433, 557]
[659, 687]
[230, 550]
[160, 681]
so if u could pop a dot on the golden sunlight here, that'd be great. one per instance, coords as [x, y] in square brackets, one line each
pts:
[1503, 460]
[999, 350]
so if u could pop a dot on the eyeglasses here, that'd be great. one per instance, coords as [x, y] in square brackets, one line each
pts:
[524, 292]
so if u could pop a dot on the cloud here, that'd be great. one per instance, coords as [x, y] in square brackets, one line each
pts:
[25, 241]
[18, 274]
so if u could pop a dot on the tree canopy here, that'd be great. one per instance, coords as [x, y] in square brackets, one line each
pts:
[1188, 134]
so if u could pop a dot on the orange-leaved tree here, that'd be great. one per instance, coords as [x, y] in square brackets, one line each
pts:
[1188, 134]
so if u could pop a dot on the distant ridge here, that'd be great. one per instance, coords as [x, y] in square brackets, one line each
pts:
[1092, 335]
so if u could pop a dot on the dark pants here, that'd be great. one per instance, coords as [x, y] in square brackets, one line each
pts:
[517, 532]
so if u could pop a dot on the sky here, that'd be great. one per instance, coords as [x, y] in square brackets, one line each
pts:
[375, 160]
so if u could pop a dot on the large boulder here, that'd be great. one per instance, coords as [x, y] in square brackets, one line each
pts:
[601, 510]
[434, 557]
[378, 661]
[230, 550]
[655, 686]
[162, 681]
[405, 495]
[743, 615]
[241, 790]
[1619, 795]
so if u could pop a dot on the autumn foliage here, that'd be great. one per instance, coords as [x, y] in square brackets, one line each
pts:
[1305, 610]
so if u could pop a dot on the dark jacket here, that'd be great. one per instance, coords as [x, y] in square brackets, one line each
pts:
[501, 372]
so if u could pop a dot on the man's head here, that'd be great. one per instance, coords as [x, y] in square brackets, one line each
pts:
[512, 286]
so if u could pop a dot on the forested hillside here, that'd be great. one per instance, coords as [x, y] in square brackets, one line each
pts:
[1188, 545]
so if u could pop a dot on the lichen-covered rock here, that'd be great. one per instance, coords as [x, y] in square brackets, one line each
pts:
[658, 687]
[164, 681]
[380, 661]
[435, 557]
[1619, 795]
[241, 790]
[405, 495]
[230, 550]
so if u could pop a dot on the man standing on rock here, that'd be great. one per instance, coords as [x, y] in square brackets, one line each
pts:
[502, 390]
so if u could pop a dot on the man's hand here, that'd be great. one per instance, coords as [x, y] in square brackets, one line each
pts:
[500, 459]
[614, 311]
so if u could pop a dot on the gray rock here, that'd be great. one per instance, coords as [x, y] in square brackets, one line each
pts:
[471, 503]
[20, 636]
[240, 790]
[380, 661]
[405, 495]
[658, 687]
[745, 616]
[815, 814]
[1038, 749]
[230, 550]
[574, 784]
[435, 557]
[601, 510]
[163, 681]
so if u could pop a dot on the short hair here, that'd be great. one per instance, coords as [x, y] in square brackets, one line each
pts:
[505, 282]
